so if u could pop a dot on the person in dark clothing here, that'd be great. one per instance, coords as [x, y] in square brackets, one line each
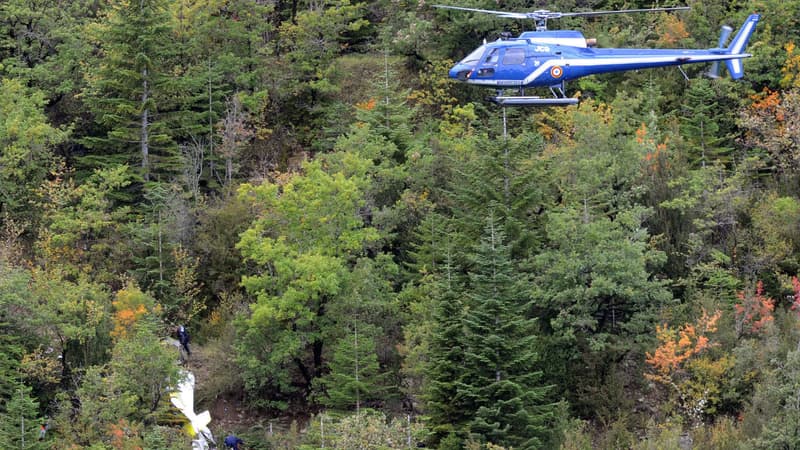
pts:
[233, 442]
[183, 338]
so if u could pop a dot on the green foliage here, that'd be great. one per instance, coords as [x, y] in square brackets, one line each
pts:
[20, 421]
[43, 45]
[354, 377]
[493, 386]
[356, 281]
[662, 436]
[308, 45]
[100, 406]
[26, 149]
[780, 388]
[499, 178]
[367, 429]
[593, 291]
[144, 369]
[446, 411]
[13, 295]
[357, 376]
[127, 93]
[81, 224]
[305, 236]
[706, 123]
[155, 237]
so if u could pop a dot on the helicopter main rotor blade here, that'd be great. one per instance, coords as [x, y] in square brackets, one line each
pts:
[622, 11]
[506, 14]
[546, 14]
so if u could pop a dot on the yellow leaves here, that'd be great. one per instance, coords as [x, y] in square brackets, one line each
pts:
[458, 123]
[563, 127]
[703, 389]
[558, 125]
[791, 68]
[187, 287]
[435, 92]
[42, 365]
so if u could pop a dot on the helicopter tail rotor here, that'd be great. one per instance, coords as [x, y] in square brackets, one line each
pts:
[726, 31]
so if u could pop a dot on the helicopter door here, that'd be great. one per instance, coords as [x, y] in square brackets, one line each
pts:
[489, 64]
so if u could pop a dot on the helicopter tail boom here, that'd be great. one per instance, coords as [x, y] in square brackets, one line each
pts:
[738, 45]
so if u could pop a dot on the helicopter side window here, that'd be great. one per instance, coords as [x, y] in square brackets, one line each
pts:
[514, 56]
[493, 57]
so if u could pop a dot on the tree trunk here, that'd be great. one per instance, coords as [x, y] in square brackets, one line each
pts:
[145, 138]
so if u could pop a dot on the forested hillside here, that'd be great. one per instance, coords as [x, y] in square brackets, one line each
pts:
[364, 259]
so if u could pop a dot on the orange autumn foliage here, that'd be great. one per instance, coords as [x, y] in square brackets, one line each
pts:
[368, 105]
[130, 306]
[753, 312]
[677, 346]
[767, 101]
[124, 436]
[671, 31]
[655, 158]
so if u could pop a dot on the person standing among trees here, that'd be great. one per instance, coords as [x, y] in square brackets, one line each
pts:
[233, 442]
[183, 338]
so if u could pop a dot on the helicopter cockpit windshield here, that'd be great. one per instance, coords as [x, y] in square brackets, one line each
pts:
[474, 57]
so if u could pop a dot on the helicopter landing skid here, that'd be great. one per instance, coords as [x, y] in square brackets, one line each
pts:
[518, 100]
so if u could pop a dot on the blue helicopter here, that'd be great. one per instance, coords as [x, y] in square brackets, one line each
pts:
[549, 59]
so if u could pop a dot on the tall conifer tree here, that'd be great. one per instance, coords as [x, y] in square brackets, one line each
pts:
[483, 379]
[126, 92]
[500, 378]
[444, 408]
[19, 426]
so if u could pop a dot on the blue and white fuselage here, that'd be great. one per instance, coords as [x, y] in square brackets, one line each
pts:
[550, 58]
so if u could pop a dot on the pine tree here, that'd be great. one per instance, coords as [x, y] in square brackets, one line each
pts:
[500, 381]
[127, 92]
[355, 376]
[502, 176]
[482, 375]
[153, 239]
[702, 125]
[387, 110]
[779, 392]
[10, 349]
[445, 410]
[367, 312]
[19, 427]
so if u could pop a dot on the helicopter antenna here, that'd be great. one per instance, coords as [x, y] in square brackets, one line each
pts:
[541, 16]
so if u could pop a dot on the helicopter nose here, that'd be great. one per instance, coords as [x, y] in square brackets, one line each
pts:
[460, 72]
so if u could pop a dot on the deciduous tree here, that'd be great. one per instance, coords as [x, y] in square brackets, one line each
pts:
[307, 233]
